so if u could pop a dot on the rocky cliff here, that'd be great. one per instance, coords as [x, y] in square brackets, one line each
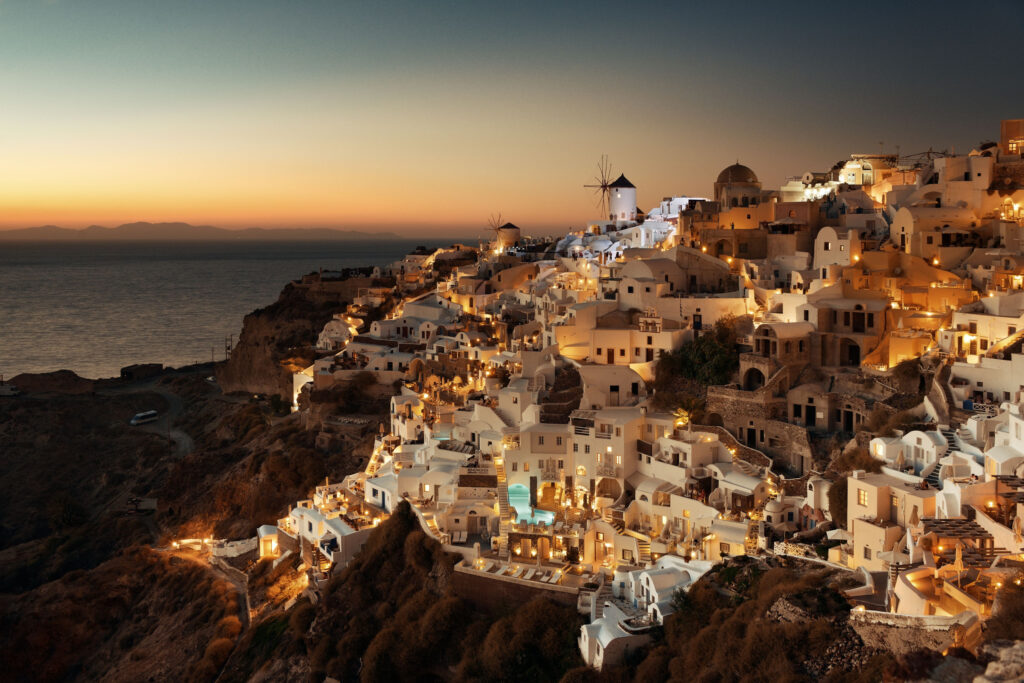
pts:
[278, 340]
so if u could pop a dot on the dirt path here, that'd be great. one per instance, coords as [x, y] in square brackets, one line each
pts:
[164, 425]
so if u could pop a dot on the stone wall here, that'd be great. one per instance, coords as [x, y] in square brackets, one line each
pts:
[904, 633]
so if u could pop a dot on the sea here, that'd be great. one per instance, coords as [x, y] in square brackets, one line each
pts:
[94, 308]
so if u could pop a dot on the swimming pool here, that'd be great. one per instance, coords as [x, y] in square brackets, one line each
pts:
[519, 498]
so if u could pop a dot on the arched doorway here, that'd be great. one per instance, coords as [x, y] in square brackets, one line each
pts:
[753, 379]
[722, 248]
[609, 488]
[849, 353]
[714, 420]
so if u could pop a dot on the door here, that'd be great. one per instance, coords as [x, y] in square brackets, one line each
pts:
[858, 323]
[810, 416]
[611, 356]
[697, 321]
[650, 355]
[847, 421]
[751, 436]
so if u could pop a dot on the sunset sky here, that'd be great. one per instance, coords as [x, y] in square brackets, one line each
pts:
[405, 115]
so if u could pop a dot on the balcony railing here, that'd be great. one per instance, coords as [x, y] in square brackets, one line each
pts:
[607, 470]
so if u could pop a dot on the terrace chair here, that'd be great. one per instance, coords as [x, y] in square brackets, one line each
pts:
[516, 573]
[529, 574]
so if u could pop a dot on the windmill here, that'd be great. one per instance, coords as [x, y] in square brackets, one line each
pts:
[494, 224]
[602, 184]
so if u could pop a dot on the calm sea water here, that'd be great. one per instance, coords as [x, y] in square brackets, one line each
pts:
[94, 308]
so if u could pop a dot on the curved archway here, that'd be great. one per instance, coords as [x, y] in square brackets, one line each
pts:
[714, 420]
[753, 379]
[608, 488]
[849, 353]
[722, 248]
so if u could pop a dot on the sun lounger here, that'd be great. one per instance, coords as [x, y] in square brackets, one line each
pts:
[517, 572]
[529, 574]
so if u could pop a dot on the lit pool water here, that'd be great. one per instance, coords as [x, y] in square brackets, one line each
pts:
[519, 498]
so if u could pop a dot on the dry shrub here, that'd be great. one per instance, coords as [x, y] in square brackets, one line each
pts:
[302, 616]
[229, 627]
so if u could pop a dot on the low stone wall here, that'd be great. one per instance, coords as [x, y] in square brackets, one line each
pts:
[498, 593]
[904, 633]
[234, 548]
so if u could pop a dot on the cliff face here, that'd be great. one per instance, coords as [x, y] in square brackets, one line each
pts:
[279, 339]
[275, 341]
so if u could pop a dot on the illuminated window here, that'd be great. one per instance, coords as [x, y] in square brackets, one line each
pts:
[581, 471]
[862, 497]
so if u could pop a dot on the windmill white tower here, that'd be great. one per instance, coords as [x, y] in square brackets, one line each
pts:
[622, 200]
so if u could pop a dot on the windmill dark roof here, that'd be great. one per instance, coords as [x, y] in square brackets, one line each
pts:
[622, 182]
[508, 226]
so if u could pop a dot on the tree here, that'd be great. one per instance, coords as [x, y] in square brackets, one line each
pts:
[837, 502]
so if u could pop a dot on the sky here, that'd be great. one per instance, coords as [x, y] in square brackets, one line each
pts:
[428, 117]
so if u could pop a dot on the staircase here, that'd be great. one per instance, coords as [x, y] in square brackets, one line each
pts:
[374, 464]
[614, 516]
[645, 551]
[933, 478]
[603, 593]
[750, 542]
[504, 510]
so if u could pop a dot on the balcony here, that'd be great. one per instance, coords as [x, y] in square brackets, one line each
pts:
[607, 470]
[551, 474]
[645, 447]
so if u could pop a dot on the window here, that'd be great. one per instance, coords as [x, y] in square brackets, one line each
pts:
[630, 289]
[894, 502]
[561, 464]
[515, 467]
[807, 315]
[558, 441]
[649, 339]
[798, 410]
[540, 464]
[842, 247]
[526, 467]
[586, 448]
[862, 497]
[575, 448]
[618, 459]
[618, 431]
[827, 246]
[540, 440]
[871, 319]
[599, 350]
[622, 352]
[581, 471]
[636, 351]
[867, 553]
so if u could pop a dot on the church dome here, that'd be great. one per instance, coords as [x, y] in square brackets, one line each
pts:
[737, 173]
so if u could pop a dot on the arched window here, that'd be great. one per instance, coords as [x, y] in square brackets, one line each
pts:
[581, 471]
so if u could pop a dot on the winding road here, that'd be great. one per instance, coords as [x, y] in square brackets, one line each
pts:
[164, 425]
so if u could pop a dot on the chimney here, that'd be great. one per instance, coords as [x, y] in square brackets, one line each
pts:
[858, 474]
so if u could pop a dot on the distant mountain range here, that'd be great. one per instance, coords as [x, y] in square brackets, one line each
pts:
[184, 232]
